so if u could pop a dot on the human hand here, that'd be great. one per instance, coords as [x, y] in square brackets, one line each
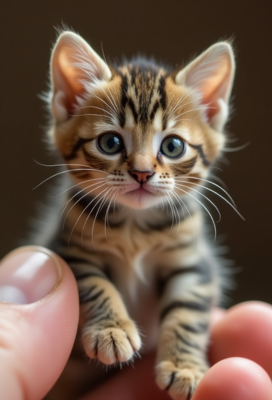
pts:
[36, 339]
[38, 330]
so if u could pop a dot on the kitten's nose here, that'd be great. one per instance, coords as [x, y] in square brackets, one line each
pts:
[141, 176]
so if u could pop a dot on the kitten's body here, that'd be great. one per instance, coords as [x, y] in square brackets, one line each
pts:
[138, 141]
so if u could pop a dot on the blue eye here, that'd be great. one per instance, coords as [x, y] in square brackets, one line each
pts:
[110, 143]
[172, 147]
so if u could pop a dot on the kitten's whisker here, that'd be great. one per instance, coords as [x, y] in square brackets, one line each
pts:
[109, 98]
[176, 212]
[112, 109]
[77, 184]
[171, 208]
[194, 109]
[208, 181]
[100, 200]
[106, 197]
[90, 115]
[205, 208]
[183, 105]
[114, 204]
[60, 173]
[76, 194]
[190, 91]
[84, 211]
[70, 165]
[182, 203]
[233, 149]
[216, 178]
[107, 212]
[233, 206]
[106, 221]
[203, 195]
[98, 108]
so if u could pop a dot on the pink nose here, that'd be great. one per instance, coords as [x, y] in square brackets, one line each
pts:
[141, 176]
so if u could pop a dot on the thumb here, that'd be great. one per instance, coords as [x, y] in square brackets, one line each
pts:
[38, 321]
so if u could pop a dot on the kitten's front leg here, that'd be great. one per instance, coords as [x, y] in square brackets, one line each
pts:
[107, 331]
[185, 313]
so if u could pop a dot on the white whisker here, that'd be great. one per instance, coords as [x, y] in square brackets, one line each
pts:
[77, 184]
[171, 207]
[82, 197]
[203, 195]
[233, 149]
[233, 206]
[205, 208]
[84, 211]
[97, 108]
[64, 172]
[104, 200]
[208, 181]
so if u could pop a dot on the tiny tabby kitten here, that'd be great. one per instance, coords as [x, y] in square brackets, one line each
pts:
[138, 141]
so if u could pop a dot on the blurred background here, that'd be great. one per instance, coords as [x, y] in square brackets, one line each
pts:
[171, 31]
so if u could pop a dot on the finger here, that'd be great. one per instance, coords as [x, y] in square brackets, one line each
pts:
[217, 315]
[234, 379]
[245, 331]
[38, 321]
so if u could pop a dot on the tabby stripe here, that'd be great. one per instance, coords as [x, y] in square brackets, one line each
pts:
[183, 350]
[172, 378]
[96, 320]
[198, 328]
[153, 112]
[202, 270]
[75, 149]
[199, 148]
[114, 347]
[133, 109]
[187, 342]
[85, 275]
[162, 92]
[206, 299]
[190, 305]
[103, 302]
[87, 296]
[185, 167]
[124, 99]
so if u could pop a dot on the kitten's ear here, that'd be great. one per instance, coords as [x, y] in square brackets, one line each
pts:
[211, 76]
[74, 67]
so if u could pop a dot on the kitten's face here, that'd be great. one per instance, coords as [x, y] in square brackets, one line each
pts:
[140, 134]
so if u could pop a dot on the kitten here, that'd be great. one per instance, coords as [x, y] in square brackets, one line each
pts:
[138, 141]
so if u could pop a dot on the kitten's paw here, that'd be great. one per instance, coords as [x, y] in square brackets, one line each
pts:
[112, 343]
[179, 382]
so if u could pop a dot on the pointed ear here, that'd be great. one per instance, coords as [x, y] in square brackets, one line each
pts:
[211, 76]
[75, 66]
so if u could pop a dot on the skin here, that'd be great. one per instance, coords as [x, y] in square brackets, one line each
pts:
[31, 360]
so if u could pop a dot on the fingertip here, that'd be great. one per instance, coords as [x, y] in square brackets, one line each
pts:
[245, 331]
[235, 379]
[40, 334]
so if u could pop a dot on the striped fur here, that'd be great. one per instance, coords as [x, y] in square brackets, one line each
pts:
[132, 226]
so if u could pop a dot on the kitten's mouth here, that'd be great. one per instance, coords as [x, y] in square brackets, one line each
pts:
[140, 192]
[140, 197]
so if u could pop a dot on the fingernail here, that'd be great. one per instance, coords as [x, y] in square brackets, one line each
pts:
[28, 274]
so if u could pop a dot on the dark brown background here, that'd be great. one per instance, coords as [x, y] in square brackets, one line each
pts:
[172, 31]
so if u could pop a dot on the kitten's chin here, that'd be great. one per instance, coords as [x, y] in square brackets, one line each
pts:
[139, 199]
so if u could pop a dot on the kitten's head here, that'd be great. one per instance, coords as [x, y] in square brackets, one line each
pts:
[136, 132]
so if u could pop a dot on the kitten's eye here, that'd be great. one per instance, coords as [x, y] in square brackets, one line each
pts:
[110, 143]
[172, 147]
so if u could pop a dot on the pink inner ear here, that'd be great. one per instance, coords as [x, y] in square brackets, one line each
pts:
[72, 79]
[214, 89]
